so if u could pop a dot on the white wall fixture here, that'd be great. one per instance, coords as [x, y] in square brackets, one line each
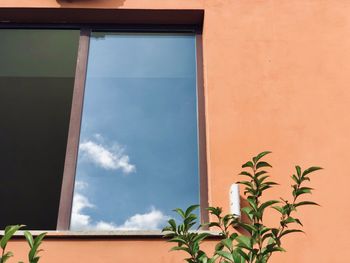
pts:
[235, 204]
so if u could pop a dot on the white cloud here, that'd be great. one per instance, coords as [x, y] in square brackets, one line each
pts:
[80, 221]
[104, 226]
[154, 219]
[80, 185]
[106, 157]
[99, 137]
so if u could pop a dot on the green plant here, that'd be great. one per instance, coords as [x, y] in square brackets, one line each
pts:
[34, 244]
[260, 241]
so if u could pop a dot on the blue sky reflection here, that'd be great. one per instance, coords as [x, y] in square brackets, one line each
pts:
[138, 153]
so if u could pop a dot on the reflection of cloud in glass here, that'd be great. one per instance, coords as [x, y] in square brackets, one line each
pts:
[104, 156]
[80, 185]
[80, 220]
[154, 219]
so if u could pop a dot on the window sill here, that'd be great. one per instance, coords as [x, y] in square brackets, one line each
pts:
[114, 234]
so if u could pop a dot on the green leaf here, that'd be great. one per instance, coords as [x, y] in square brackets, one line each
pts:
[295, 179]
[37, 242]
[190, 219]
[267, 235]
[195, 248]
[262, 164]
[270, 183]
[6, 256]
[172, 223]
[302, 190]
[289, 231]
[244, 242]
[278, 208]
[291, 220]
[237, 258]
[252, 202]
[248, 227]
[246, 174]
[305, 203]
[264, 187]
[213, 259]
[202, 257]
[274, 231]
[29, 238]
[39, 238]
[219, 246]
[260, 155]
[243, 254]
[248, 164]
[201, 237]
[248, 211]
[9, 232]
[227, 242]
[272, 248]
[180, 212]
[212, 224]
[190, 209]
[266, 204]
[215, 211]
[249, 184]
[264, 230]
[248, 190]
[262, 179]
[233, 236]
[311, 169]
[168, 235]
[298, 169]
[260, 173]
[35, 260]
[177, 240]
[225, 254]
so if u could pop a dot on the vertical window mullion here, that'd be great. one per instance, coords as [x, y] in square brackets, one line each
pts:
[66, 199]
[204, 202]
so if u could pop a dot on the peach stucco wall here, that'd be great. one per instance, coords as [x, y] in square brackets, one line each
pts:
[277, 77]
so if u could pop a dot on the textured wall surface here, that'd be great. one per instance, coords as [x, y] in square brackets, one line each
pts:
[276, 78]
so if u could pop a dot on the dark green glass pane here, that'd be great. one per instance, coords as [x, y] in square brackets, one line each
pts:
[37, 70]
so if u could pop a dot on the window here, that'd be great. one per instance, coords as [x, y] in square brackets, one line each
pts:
[114, 119]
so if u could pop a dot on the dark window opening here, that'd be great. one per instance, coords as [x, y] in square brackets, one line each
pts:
[37, 70]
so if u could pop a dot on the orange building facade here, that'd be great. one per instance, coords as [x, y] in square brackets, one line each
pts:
[276, 77]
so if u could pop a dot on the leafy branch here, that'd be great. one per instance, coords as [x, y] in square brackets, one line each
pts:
[262, 241]
[187, 240]
[34, 244]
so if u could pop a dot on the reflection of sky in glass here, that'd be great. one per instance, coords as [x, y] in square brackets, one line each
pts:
[138, 156]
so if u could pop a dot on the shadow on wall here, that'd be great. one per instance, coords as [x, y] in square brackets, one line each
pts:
[70, 3]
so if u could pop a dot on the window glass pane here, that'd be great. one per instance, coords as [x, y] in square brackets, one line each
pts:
[138, 153]
[36, 84]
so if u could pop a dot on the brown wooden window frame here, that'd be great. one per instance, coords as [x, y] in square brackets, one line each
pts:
[68, 180]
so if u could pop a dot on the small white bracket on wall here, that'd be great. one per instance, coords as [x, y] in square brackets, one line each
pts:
[235, 204]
